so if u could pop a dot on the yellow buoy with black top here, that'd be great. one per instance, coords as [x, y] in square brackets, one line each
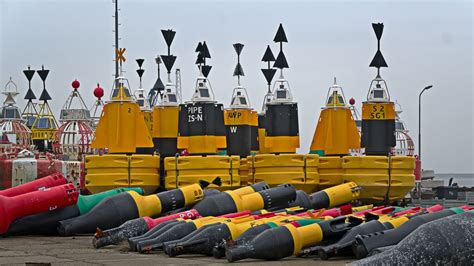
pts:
[378, 112]
[201, 121]
[45, 125]
[336, 132]
[284, 241]
[239, 118]
[281, 115]
[166, 111]
[129, 205]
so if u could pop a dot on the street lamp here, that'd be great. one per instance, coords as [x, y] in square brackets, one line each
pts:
[419, 120]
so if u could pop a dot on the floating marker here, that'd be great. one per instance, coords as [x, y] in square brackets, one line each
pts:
[378, 112]
[166, 112]
[336, 132]
[240, 120]
[281, 112]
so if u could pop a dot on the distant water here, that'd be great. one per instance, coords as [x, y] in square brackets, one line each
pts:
[463, 180]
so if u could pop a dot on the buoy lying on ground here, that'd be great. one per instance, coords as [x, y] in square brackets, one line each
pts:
[44, 182]
[47, 222]
[48, 199]
[120, 208]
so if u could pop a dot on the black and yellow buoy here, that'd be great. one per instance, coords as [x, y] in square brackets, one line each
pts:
[281, 115]
[336, 132]
[239, 118]
[30, 113]
[44, 126]
[378, 112]
[166, 112]
[201, 120]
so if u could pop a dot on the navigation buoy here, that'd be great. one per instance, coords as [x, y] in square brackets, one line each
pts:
[336, 132]
[378, 112]
[240, 120]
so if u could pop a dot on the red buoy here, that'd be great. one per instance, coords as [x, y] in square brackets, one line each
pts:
[39, 201]
[45, 182]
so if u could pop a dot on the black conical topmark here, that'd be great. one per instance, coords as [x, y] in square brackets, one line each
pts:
[30, 95]
[140, 62]
[205, 50]
[169, 36]
[45, 95]
[159, 86]
[200, 59]
[280, 35]
[205, 70]
[378, 29]
[29, 73]
[198, 48]
[140, 72]
[239, 71]
[268, 56]
[168, 60]
[281, 61]
[269, 73]
[43, 73]
[378, 61]
[238, 48]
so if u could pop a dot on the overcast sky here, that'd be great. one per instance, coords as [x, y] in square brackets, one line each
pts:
[423, 43]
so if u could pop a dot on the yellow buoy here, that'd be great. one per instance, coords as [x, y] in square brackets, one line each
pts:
[336, 131]
[121, 127]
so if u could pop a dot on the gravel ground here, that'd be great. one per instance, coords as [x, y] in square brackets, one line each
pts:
[41, 250]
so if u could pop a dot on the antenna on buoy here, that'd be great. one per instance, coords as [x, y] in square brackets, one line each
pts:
[280, 61]
[238, 71]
